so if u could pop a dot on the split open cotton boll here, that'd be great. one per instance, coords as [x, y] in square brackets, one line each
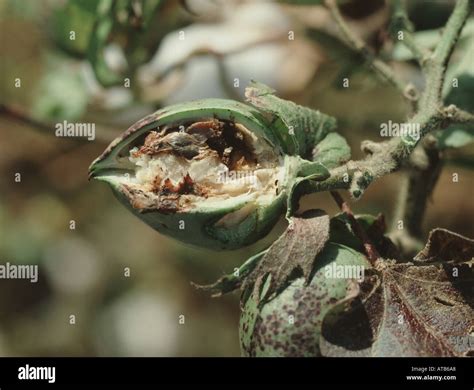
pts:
[214, 173]
[207, 180]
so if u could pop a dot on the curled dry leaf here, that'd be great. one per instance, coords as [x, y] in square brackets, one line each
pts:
[409, 309]
[291, 255]
[444, 245]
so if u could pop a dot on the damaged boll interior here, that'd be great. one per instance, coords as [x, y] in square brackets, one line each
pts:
[180, 166]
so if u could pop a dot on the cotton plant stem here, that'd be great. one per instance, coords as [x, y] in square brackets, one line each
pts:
[435, 65]
[417, 188]
[425, 166]
[457, 115]
[372, 253]
[17, 114]
[401, 23]
[386, 157]
[380, 67]
[451, 32]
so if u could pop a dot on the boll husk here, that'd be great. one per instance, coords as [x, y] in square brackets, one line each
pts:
[214, 173]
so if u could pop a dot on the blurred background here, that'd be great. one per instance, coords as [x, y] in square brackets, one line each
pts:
[113, 62]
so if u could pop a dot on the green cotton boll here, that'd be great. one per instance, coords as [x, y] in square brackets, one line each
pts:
[289, 325]
[210, 173]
